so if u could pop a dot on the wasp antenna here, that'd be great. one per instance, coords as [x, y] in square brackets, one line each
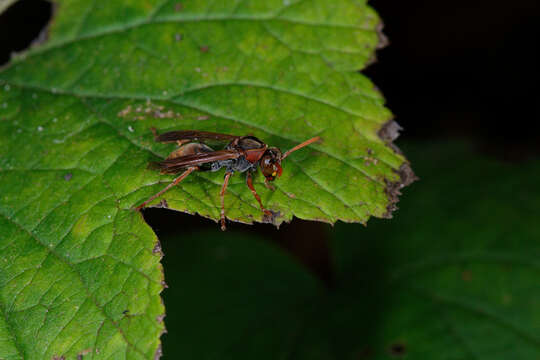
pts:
[299, 146]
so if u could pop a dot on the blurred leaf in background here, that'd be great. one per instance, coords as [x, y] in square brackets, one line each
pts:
[4, 4]
[453, 276]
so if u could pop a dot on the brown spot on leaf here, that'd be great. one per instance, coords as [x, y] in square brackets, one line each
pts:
[124, 112]
[382, 43]
[389, 131]
[82, 353]
[158, 353]
[370, 161]
[383, 39]
[163, 204]
[157, 249]
[393, 188]
[271, 218]
[158, 114]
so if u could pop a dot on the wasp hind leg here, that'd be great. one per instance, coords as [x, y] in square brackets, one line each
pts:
[173, 183]
[222, 195]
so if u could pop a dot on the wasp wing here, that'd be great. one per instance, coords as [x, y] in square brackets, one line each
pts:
[193, 135]
[175, 165]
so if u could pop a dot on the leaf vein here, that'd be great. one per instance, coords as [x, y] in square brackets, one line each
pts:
[81, 279]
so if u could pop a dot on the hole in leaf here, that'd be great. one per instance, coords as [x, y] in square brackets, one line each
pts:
[398, 349]
[21, 24]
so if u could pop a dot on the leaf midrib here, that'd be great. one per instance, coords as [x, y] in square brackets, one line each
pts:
[173, 99]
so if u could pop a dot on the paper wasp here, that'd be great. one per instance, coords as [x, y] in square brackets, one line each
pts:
[241, 154]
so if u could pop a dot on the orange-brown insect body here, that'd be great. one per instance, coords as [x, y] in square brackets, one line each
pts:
[241, 154]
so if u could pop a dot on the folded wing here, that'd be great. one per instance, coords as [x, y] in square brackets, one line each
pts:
[175, 165]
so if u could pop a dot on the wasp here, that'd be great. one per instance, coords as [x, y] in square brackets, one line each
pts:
[241, 154]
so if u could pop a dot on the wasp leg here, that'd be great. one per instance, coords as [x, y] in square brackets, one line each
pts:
[175, 182]
[222, 195]
[269, 186]
[249, 183]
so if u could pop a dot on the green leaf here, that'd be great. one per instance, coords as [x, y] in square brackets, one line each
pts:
[80, 269]
[454, 276]
[283, 72]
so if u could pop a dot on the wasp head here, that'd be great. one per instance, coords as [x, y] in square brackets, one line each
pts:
[271, 163]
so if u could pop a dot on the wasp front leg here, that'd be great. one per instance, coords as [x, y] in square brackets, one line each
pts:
[249, 183]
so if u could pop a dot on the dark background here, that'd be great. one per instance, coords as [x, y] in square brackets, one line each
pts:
[463, 68]
[453, 69]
